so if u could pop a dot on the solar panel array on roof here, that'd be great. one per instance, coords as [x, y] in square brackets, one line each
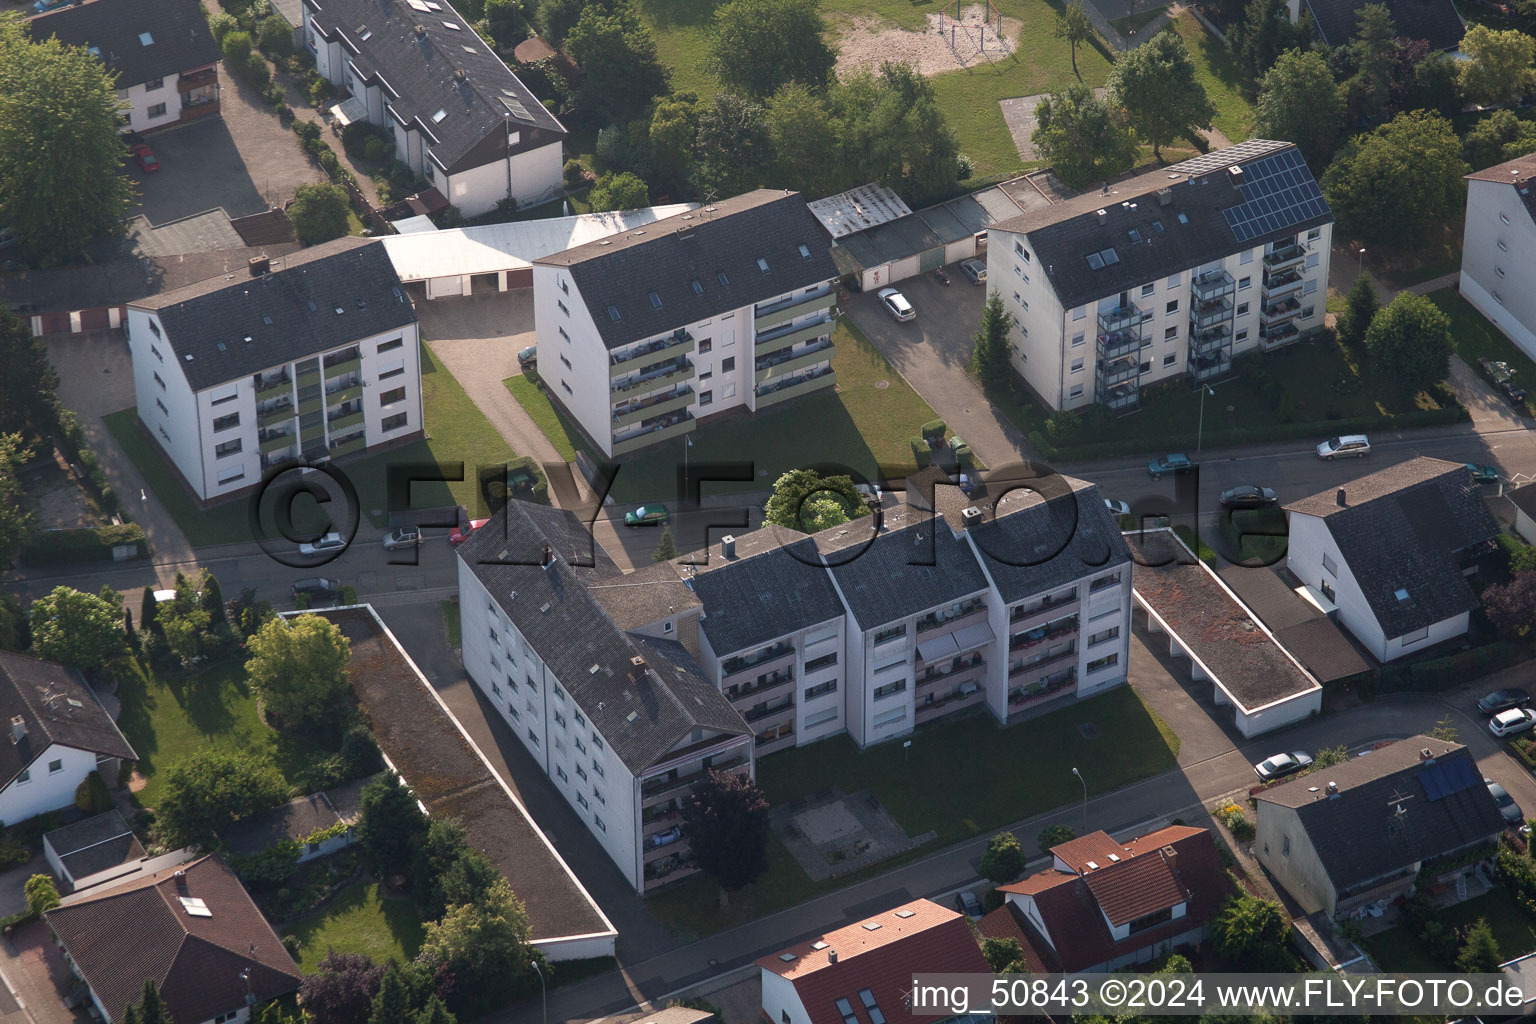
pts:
[1446, 778]
[1279, 191]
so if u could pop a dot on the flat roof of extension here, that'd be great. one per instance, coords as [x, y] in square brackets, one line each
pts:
[929, 228]
[452, 778]
[1215, 629]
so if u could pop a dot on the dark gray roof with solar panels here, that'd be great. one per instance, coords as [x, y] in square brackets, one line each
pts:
[1163, 221]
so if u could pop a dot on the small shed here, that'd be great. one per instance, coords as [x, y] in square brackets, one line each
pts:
[298, 820]
[89, 847]
[1524, 500]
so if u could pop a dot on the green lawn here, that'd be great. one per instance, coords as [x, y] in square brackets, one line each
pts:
[457, 432]
[932, 787]
[1136, 22]
[860, 425]
[1225, 81]
[1399, 950]
[451, 622]
[359, 920]
[167, 715]
[1474, 336]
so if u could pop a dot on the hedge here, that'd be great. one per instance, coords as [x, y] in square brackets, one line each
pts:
[1437, 674]
[87, 545]
[934, 430]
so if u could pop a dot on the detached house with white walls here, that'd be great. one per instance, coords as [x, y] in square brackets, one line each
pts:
[1394, 555]
[311, 356]
[56, 733]
[162, 55]
[458, 115]
[647, 334]
[1499, 248]
[1172, 272]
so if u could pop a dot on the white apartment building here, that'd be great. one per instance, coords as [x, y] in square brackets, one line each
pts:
[458, 114]
[591, 669]
[1499, 248]
[312, 356]
[644, 334]
[1171, 272]
[163, 55]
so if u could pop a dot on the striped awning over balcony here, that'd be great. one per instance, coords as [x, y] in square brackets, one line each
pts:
[949, 644]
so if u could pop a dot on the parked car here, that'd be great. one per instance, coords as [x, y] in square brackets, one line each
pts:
[1503, 700]
[1356, 445]
[1507, 723]
[324, 546]
[145, 158]
[1482, 473]
[1511, 811]
[1503, 377]
[897, 305]
[667, 837]
[969, 905]
[1279, 766]
[1248, 496]
[402, 537]
[1117, 508]
[457, 536]
[646, 515]
[1176, 462]
[976, 270]
[870, 493]
[316, 588]
[528, 357]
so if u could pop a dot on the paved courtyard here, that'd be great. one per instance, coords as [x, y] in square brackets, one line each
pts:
[1019, 116]
[835, 833]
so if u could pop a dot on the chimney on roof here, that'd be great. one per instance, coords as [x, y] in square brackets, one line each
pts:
[547, 558]
[1165, 197]
[18, 729]
[1237, 174]
[1427, 756]
[1171, 856]
[260, 265]
[421, 31]
[1333, 790]
[1339, 498]
[831, 956]
[1103, 216]
[637, 661]
[728, 546]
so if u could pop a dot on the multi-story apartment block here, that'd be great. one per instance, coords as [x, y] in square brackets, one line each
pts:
[311, 356]
[644, 334]
[163, 57]
[459, 116]
[1499, 248]
[1174, 271]
[591, 669]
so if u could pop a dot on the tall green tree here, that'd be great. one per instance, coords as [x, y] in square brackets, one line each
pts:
[76, 629]
[1410, 343]
[804, 134]
[298, 668]
[393, 1003]
[623, 190]
[1053, 836]
[1082, 136]
[183, 619]
[14, 634]
[1359, 310]
[758, 46]
[666, 546]
[29, 386]
[1480, 953]
[483, 945]
[1299, 101]
[1004, 956]
[318, 212]
[1498, 137]
[150, 1009]
[555, 18]
[1499, 70]
[16, 516]
[61, 155]
[1156, 85]
[1511, 607]
[795, 490]
[41, 894]
[620, 72]
[1074, 25]
[732, 150]
[392, 826]
[673, 128]
[208, 790]
[1253, 934]
[1262, 34]
[990, 360]
[1374, 51]
[915, 150]
[1400, 180]
[435, 1012]
[725, 820]
[1003, 860]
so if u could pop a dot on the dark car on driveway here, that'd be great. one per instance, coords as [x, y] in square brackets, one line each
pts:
[316, 588]
[1248, 496]
[1503, 700]
[1511, 811]
[968, 903]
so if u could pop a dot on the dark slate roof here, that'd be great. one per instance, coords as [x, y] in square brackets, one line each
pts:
[646, 595]
[94, 844]
[885, 579]
[352, 274]
[757, 596]
[180, 39]
[1524, 498]
[1400, 529]
[1434, 21]
[642, 713]
[1300, 627]
[55, 706]
[1359, 835]
[728, 236]
[141, 930]
[419, 77]
[1063, 234]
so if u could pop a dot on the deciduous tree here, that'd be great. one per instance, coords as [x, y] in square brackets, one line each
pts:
[1053, 836]
[621, 191]
[1374, 52]
[758, 46]
[16, 516]
[725, 820]
[1393, 184]
[617, 55]
[732, 151]
[1499, 71]
[794, 491]
[914, 149]
[1074, 25]
[1253, 934]
[484, 945]
[342, 990]
[673, 128]
[1410, 343]
[1299, 101]
[1511, 607]
[318, 212]
[29, 386]
[1498, 137]
[41, 894]
[1003, 860]
[1082, 136]
[804, 131]
[1360, 309]
[392, 826]
[1262, 34]
[76, 629]
[184, 621]
[298, 668]
[1156, 85]
[1004, 956]
[207, 790]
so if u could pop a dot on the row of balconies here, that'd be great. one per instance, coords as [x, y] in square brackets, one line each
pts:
[948, 705]
[677, 427]
[782, 389]
[774, 682]
[782, 312]
[777, 341]
[675, 371]
[1054, 685]
[788, 361]
[969, 612]
[1026, 672]
[741, 663]
[1023, 641]
[1114, 344]
[678, 343]
[1027, 616]
[652, 791]
[1285, 256]
[628, 413]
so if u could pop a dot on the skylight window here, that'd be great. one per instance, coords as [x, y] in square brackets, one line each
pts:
[1095, 261]
[871, 1007]
[613, 313]
[364, 33]
[788, 958]
[1135, 235]
[1157, 226]
[450, 25]
[195, 906]
[1110, 257]
[470, 49]
[846, 1009]
[437, 118]
[805, 252]
[145, 39]
[312, 307]
[697, 286]
[762, 264]
[1183, 218]
[417, 5]
[266, 319]
[1400, 594]
[720, 274]
[655, 301]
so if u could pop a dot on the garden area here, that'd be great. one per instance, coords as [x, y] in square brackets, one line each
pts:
[928, 787]
[1404, 949]
[1475, 338]
[362, 918]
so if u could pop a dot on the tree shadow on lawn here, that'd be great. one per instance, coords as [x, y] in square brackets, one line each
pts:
[136, 717]
[679, 13]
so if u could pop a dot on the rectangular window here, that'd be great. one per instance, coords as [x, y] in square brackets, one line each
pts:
[154, 84]
[820, 718]
[1244, 282]
[597, 741]
[889, 718]
[1079, 312]
[567, 388]
[224, 423]
[1241, 335]
[227, 393]
[567, 337]
[156, 353]
[1330, 566]
[1285, 846]
[392, 396]
[389, 346]
[1077, 366]
[1172, 307]
[825, 661]
[567, 363]
[597, 768]
[560, 774]
[230, 474]
[706, 397]
[1170, 358]
[567, 312]
[227, 448]
[392, 369]
[890, 633]
[821, 689]
[595, 819]
[1104, 662]
[24, 777]
[394, 422]
[890, 689]
[1308, 287]
[1103, 636]
[1313, 259]
[1307, 311]
[1242, 308]
[583, 801]
[1148, 289]
[727, 364]
[1246, 258]
[55, 766]
[706, 345]
[1076, 392]
[162, 407]
[1170, 332]
[156, 110]
[158, 380]
[1022, 252]
[154, 328]
[533, 737]
[1173, 282]
[1077, 339]
[1314, 234]
[1025, 304]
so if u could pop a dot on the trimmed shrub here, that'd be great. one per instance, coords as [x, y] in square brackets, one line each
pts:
[92, 795]
[236, 47]
[373, 149]
[921, 452]
[934, 430]
[269, 869]
[41, 894]
[256, 70]
[273, 94]
[319, 91]
[72, 547]
[307, 131]
[13, 854]
[573, 175]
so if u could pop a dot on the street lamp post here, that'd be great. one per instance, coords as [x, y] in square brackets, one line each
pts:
[1205, 389]
[1085, 795]
[543, 988]
[1362, 261]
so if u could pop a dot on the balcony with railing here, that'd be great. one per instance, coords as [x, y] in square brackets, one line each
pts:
[770, 709]
[274, 440]
[769, 744]
[343, 419]
[626, 413]
[271, 386]
[276, 412]
[678, 343]
[276, 458]
[669, 428]
[966, 666]
[955, 700]
[1211, 366]
[1282, 334]
[1285, 256]
[789, 360]
[1028, 639]
[1208, 314]
[652, 377]
[756, 659]
[1119, 318]
[1031, 615]
[782, 389]
[662, 787]
[1120, 396]
[1274, 312]
[1114, 344]
[347, 445]
[1282, 283]
[1211, 286]
[1056, 684]
[957, 616]
[767, 684]
[674, 867]
[1023, 671]
[782, 312]
[790, 335]
[1117, 371]
[1210, 339]
[345, 361]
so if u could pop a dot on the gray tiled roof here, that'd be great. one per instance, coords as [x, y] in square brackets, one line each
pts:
[1359, 836]
[1524, 498]
[206, 324]
[419, 73]
[180, 39]
[94, 844]
[1400, 529]
[641, 714]
[55, 706]
[1062, 235]
[1434, 21]
[752, 599]
[645, 595]
[885, 580]
[726, 237]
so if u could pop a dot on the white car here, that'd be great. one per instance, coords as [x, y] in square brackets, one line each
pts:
[324, 546]
[1117, 508]
[1507, 723]
[897, 305]
[1349, 446]
[975, 270]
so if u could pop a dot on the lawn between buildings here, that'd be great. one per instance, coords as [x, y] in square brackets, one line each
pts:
[959, 779]
[860, 425]
[1473, 337]
[1399, 949]
[457, 432]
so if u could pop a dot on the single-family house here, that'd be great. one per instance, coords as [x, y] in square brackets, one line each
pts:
[1499, 247]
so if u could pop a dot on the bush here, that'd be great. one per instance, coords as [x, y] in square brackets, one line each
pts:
[921, 452]
[221, 25]
[273, 94]
[992, 900]
[275, 37]
[329, 164]
[307, 131]
[92, 795]
[1436, 674]
[13, 854]
[573, 175]
[1236, 822]
[236, 47]
[269, 869]
[934, 430]
[319, 91]
[71, 547]
[41, 894]
[256, 70]
[360, 756]
[348, 595]
[373, 149]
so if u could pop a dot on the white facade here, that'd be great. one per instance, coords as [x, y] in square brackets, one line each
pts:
[47, 784]
[1316, 560]
[1059, 351]
[660, 386]
[781, 1000]
[791, 690]
[1497, 254]
[223, 438]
